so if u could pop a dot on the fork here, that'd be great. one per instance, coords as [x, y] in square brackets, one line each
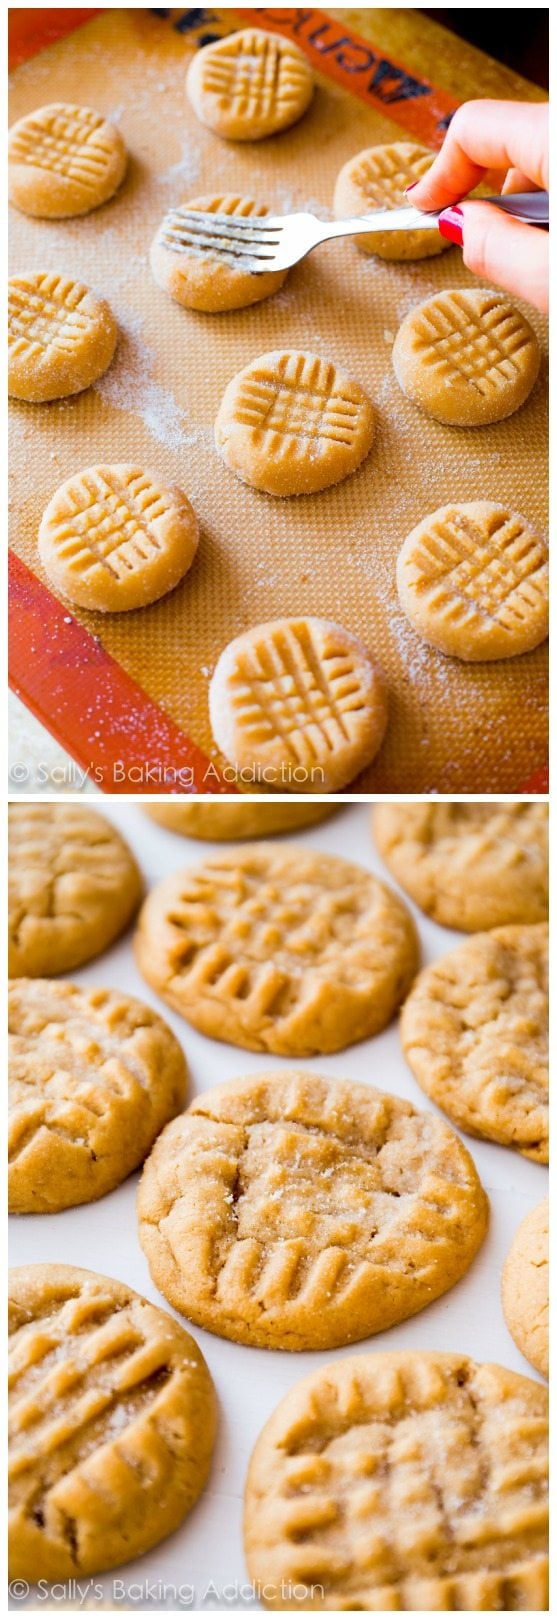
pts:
[270, 242]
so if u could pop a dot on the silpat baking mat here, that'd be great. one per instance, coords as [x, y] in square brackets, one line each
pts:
[127, 694]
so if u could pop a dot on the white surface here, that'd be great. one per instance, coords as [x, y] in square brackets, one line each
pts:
[206, 1552]
[36, 762]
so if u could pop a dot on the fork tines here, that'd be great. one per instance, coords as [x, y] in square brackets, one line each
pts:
[229, 235]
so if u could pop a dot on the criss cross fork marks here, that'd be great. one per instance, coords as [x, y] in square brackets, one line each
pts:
[383, 178]
[80, 1375]
[300, 400]
[66, 141]
[415, 1479]
[266, 943]
[476, 1035]
[206, 233]
[476, 339]
[496, 570]
[306, 1210]
[108, 522]
[46, 312]
[66, 1088]
[286, 686]
[254, 75]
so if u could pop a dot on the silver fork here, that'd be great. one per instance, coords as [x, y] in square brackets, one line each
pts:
[277, 241]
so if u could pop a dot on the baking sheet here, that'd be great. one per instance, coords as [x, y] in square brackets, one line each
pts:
[452, 727]
[205, 1555]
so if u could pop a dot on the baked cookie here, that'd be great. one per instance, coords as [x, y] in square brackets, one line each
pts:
[94, 1075]
[194, 262]
[292, 424]
[249, 85]
[475, 1033]
[469, 866]
[64, 160]
[378, 178]
[278, 949]
[73, 887]
[467, 357]
[525, 1288]
[112, 1423]
[114, 538]
[290, 1211]
[299, 702]
[407, 1479]
[61, 337]
[228, 819]
[474, 581]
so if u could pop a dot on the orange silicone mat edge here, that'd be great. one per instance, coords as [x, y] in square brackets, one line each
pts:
[58, 690]
[31, 29]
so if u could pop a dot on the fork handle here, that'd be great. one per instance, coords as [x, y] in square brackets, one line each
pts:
[532, 207]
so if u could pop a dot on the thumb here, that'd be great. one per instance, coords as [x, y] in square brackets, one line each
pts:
[501, 249]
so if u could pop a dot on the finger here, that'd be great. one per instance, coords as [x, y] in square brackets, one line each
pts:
[485, 135]
[516, 181]
[501, 249]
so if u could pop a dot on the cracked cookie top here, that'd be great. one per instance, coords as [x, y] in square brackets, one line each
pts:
[94, 1075]
[291, 1211]
[475, 1032]
[469, 866]
[73, 887]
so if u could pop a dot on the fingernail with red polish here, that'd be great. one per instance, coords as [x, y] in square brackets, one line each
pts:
[412, 187]
[450, 225]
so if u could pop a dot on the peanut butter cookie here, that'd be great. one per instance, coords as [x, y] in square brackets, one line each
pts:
[299, 705]
[475, 1033]
[474, 581]
[278, 949]
[378, 178]
[114, 538]
[73, 887]
[525, 1288]
[467, 357]
[291, 423]
[249, 85]
[290, 1211]
[112, 1423]
[230, 818]
[408, 1479]
[64, 160]
[469, 866]
[94, 1075]
[61, 337]
[192, 260]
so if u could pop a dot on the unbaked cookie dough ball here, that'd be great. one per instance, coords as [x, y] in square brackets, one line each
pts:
[378, 178]
[300, 703]
[468, 357]
[61, 337]
[249, 85]
[114, 537]
[474, 581]
[64, 160]
[194, 263]
[291, 423]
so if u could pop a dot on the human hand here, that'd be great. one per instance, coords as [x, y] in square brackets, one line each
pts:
[513, 137]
